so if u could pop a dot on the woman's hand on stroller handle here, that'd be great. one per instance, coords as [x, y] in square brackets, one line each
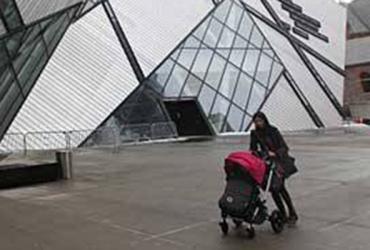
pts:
[271, 154]
[266, 156]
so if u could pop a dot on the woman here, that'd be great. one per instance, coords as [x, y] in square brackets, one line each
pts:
[267, 139]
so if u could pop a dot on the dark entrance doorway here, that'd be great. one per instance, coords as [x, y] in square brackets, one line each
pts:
[189, 118]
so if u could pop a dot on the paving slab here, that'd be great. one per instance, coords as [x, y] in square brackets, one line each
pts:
[164, 196]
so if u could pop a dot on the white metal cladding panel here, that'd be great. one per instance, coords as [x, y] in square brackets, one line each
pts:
[86, 79]
[358, 51]
[258, 6]
[285, 111]
[334, 80]
[333, 20]
[32, 10]
[155, 27]
[302, 76]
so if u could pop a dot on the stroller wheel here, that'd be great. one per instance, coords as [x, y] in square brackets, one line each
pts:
[251, 232]
[224, 227]
[237, 223]
[277, 221]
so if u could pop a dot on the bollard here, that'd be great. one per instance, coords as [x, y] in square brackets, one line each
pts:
[64, 159]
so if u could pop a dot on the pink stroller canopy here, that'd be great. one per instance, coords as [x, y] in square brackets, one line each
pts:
[255, 166]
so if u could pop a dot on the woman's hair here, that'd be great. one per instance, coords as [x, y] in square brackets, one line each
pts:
[262, 116]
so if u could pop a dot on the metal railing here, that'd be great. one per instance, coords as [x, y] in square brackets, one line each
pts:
[73, 139]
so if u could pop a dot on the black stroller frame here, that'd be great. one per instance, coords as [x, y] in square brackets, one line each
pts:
[260, 213]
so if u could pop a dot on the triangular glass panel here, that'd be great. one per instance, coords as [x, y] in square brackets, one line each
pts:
[219, 112]
[201, 30]
[187, 57]
[202, 62]
[242, 91]
[215, 71]
[257, 97]
[269, 52]
[13, 43]
[246, 27]
[192, 86]
[247, 121]
[206, 98]
[175, 82]
[251, 61]
[161, 75]
[224, 52]
[192, 43]
[264, 69]
[257, 38]
[234, 17]
[213, 33]
[51, 35]
[234, 119]
[277, 69]
[227, 38]
[229, 81]
[240, 43]
[237, 56]
[223, 10]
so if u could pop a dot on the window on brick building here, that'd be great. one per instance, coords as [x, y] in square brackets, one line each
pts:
[365, 81]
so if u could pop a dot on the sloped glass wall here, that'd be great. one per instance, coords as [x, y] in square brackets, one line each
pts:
[226, 64]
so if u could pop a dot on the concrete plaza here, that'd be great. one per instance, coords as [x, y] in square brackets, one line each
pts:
[164, 196]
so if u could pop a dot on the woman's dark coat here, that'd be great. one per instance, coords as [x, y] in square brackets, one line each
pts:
[270, 139]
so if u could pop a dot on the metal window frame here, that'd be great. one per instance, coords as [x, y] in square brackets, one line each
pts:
[226, 60]
[203, 83]
[164, 86]
[198, 50]
[232, 63]
[299, 93]
[240, 70]
[269, 93]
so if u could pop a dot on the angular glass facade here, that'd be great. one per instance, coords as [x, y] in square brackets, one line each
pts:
[33, 10]
[141, 116]
[226, 64]
[10, 15]
[23, 55]
[224, 71]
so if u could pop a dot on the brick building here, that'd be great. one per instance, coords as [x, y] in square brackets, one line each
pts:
[357, 86]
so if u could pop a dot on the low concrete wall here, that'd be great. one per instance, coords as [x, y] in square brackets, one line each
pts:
[17, 175]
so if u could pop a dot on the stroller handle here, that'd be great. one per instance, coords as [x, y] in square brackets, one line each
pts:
[266, 158]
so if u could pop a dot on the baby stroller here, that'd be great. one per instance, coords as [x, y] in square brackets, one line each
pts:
[248, 180]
